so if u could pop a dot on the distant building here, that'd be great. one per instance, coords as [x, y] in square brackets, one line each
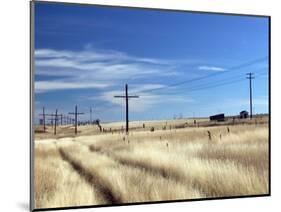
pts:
[244, 114]
[217, 117]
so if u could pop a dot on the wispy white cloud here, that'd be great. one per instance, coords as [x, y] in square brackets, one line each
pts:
[101, 70]
[93, 55]
[77, 68]
[211, 68]
[44, 86]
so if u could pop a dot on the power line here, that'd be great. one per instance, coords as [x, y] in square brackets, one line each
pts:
[209, 75]
[232, 81]
[214, 85]
[228, 81]
[210, 86]
[202, 86]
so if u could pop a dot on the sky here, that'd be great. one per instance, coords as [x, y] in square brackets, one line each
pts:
[180, 64]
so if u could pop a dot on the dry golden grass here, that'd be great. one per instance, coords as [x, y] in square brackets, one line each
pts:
[56, 184]
[152, 166]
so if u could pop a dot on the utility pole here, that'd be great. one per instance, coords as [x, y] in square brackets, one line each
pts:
[68, 120]
[54, 117]
[90, 115]
[127, 105]
[250, 77]
[76, 117]
[64, 119]
[52, 121]
[59, 119]
[44, 123]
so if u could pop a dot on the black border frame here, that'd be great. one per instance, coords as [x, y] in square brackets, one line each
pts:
[31, 106]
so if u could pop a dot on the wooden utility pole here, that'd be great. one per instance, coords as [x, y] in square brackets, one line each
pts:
[90, 115]
[54, 117]
[127, 105]
[250, 77]
[44, 123]
[64, 119]
[52, 123]
[76, 117]
[59, 119]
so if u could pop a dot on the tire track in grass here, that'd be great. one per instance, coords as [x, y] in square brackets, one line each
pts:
[209, 190]
[93, 179]
[152, 169]
[137, 164]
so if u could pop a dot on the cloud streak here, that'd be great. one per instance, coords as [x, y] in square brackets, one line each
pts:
[104, 71]
[44, 86]
[211, 68]
[91, 68]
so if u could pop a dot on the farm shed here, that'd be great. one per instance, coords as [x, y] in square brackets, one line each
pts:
[217, 117]
[244, 114]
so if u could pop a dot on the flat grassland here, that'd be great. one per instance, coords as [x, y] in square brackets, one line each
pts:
[96, 168]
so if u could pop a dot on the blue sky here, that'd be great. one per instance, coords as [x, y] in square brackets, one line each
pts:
[85, 55]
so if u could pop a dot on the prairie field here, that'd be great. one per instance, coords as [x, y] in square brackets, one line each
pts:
[96, 168]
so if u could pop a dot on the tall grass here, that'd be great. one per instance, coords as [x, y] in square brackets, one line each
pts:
[56, 184]
[140, 167]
